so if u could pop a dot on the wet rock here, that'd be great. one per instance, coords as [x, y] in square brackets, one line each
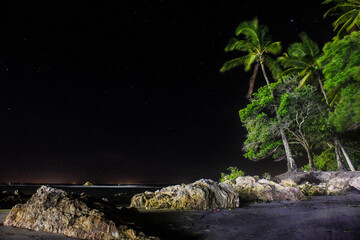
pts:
[202, 194]
[53, 210]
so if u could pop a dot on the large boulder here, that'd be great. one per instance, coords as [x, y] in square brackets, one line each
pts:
[202, 194]
[53, 210]
[249, 190]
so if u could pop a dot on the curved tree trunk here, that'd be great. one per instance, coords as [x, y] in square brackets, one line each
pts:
[252, 80]
[290, 160]
[323, 91]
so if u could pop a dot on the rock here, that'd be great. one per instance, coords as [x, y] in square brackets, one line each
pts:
[355, 182]
[202, 194]
[292, 179]
[53, 210]
[8, 200]
[250, 190]
[319, 183]
[309, 189]
[339, 185]
[88, 184]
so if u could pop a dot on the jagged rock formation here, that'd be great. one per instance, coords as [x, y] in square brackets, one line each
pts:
[202, 194]
[53, 210]
[249, 189]
[207, 194]
[320, 183]
[8, 200]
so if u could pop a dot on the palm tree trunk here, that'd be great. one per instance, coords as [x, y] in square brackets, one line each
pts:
[290, 160]
[347, 158]
[264, 72]
[252, 80]
[323, 91]
[341, 166]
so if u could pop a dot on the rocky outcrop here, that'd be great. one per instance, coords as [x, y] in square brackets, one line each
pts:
[53, 210]
[249, 189]
[207, 194]
[8, 200]
[202, 194]
[320, 183]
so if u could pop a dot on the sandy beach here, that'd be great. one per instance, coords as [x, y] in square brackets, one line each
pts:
[325, 217]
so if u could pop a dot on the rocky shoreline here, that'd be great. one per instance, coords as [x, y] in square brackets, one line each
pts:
[53, 210]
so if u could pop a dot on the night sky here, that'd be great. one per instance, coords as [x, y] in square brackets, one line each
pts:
[130, 91]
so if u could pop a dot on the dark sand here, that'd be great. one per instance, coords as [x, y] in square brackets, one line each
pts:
[326, 217]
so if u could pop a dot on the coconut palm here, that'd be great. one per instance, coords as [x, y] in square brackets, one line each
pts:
[301, 60]
[349, 12]
[257, 45]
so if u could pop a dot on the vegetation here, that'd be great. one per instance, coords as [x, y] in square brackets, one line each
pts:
[234, 173]
[313, 107]
[266, 176]
[349, 12]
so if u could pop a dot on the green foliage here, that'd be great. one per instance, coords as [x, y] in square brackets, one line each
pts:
[234, 173]
[257, 46]
[300, 59]
[263, 138]
[266, 176]
[326, 161]
[340, 65]
[349, 12]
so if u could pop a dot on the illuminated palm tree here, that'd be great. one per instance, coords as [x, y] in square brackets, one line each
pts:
[256, 44]
[349, 12]
[301, 59]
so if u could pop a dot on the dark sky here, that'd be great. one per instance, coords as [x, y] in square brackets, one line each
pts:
[130, 91]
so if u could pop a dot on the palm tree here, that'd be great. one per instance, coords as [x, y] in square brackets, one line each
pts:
[301, 60]
[349, 12]
[257, 45]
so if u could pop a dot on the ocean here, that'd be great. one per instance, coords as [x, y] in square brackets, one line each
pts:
[119, 195]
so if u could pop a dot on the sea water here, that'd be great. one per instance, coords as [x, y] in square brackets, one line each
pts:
[119, 195]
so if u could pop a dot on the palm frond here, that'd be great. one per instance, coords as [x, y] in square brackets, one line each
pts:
[303, 81]
[273, 48]
[310, 45]
[273, 66]
[235, 44]
[233, 63]
[295, 62]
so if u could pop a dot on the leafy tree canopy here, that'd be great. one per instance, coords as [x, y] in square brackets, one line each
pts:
[341, 68]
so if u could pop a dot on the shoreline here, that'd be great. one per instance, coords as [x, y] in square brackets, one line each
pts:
[323, 217]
